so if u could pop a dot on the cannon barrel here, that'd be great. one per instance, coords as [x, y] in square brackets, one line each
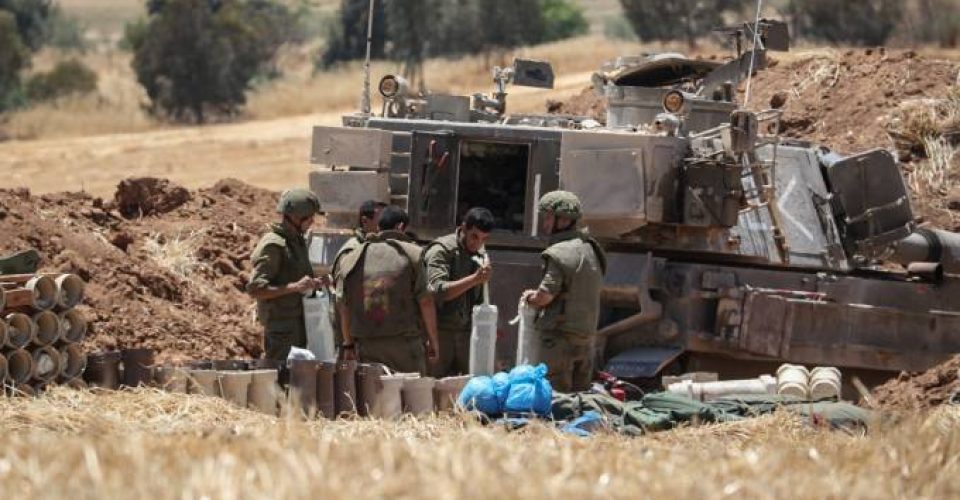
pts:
[930, 245]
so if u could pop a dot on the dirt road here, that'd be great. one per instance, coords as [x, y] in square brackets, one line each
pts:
[271, 153]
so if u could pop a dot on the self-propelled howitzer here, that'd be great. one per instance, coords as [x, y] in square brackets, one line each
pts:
[730, 248]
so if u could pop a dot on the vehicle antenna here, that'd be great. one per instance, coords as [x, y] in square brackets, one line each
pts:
[753, 53]
[365, 97]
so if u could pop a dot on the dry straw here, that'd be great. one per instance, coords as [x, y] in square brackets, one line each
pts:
[150, 444]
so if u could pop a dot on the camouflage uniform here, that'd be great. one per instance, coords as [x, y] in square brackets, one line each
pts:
[384, 280]
[448, 261]
[280, 258]
[574, 265]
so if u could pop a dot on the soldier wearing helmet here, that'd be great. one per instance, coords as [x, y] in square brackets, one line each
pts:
[383, 300]
[568, 297]
[282, 274]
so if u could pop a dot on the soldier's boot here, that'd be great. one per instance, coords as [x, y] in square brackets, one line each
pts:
[23, 262]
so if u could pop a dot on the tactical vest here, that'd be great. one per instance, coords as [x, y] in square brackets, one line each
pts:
[457, 314]
[379, 287]
[295, 265]
[350, 245]
[576, 309]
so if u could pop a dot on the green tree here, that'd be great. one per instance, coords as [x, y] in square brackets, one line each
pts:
[506, 24]
[409, 35]
[32, 19]
[677, 19]
[859, 22]
[347, 39]
[562, 19]
[939, 22]
[14, 57]
[416, 29]
[196, 57]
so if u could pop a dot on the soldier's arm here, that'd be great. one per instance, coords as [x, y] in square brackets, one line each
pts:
[344, 313]
[438, 276]
[428, 308]
[266, 266]
[550, 286]
[428, 311]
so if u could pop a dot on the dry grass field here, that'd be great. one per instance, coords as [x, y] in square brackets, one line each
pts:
[150, 444]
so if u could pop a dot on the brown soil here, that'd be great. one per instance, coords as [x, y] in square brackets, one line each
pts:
[842, 99]
[586, 103]
[920, 391]
[139, 292]
[839, 99]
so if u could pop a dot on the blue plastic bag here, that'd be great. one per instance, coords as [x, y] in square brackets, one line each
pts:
[501, 385]
[479, 394]
[584, 425]
[529, 391]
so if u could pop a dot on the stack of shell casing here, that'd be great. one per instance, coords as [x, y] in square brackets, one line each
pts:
[41, 332]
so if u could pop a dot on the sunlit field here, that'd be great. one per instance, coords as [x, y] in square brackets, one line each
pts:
[149, 444]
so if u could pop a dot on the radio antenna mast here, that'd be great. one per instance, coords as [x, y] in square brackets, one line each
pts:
[753, 52]
[365, 97]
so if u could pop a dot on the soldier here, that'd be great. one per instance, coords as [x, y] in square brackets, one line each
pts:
[282, 274]
[456, 280]
[367, 220]
[369, 217]
[383, 297]
[569, 294]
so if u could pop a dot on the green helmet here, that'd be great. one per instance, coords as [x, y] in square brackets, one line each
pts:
[299, 203]
[562, 203]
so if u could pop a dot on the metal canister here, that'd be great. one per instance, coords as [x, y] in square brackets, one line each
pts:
[368, 386]
[230, 364]
[303, 384]
[326, 401]
[137, 366]
[345, 393]
[283, 374]
[103, 370]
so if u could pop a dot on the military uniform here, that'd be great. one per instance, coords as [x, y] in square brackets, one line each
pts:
[336, 273]
[447, 260]
[574, 265]
[383, 281]
[281, 258]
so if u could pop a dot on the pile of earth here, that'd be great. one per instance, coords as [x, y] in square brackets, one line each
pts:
[839, 98]
[921, 391]
[165, 267]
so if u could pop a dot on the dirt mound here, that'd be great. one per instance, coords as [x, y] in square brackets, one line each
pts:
[172, 280]
[586, 103]
[148, 196]
[844, 99]
[920, 391]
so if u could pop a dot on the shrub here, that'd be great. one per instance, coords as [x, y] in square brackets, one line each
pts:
[69, 77]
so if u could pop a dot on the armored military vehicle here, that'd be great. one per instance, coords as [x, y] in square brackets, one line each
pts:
[731, 249]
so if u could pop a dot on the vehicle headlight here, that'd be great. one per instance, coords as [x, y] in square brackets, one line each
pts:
[392, 86]
[673, 101]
